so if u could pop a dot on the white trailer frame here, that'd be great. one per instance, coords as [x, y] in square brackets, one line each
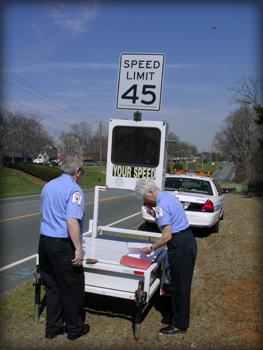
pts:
[115, 279]
[108, 276]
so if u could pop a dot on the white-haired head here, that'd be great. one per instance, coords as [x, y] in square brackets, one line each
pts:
[143, 186]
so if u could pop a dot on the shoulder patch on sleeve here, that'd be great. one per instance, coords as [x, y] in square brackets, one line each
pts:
[76, 198]
[158, 212]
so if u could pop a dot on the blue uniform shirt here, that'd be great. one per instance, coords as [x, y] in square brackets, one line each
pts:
[169, 211]
[61, 198]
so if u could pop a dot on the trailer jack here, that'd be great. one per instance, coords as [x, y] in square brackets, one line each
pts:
[37, 285]
[140, 301]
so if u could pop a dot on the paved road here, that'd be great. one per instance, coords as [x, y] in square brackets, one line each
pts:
[19, 227]
[225, 174]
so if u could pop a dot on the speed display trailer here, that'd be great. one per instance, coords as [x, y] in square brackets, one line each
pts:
[136, 149]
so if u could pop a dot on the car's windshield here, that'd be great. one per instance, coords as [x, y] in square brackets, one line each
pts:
[188, 185]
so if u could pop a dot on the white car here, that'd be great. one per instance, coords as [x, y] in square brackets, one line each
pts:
[200, 195]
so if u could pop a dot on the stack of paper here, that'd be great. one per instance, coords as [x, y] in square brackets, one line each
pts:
[134, 250]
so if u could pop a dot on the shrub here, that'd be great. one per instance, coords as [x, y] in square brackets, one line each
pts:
[178, 166]
[44, 172]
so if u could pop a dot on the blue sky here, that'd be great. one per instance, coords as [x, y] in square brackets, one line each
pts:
[71, 50]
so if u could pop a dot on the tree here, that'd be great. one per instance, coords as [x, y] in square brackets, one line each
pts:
[173, 147]
[259, 120]
[259, 110]
[25, 135]
[69, 144]
[29, 137]
[237, 138]
[247, 94]
[179, 148]
[83, 131]
[5, 134]
[104, 135]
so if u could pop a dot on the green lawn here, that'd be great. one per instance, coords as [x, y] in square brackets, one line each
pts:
[92, 176]
[13, 184]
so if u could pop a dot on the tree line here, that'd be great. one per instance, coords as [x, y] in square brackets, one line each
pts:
[21, 134]
[239, 139]
[25, 135]
[84, 139]
[240, 136]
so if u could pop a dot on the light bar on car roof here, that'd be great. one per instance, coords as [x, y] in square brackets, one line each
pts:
[196, 172]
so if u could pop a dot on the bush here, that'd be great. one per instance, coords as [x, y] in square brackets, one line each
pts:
[178, 166]
[240, 176]
[43, 172]
[168, 168]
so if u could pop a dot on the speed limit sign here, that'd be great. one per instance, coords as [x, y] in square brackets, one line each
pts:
[140, 81]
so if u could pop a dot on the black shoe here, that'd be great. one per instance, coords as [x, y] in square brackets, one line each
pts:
[84, 331]
[51, 336]
[166, 320]
[172, 330]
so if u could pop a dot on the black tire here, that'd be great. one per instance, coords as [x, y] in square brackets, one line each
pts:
[215, 228]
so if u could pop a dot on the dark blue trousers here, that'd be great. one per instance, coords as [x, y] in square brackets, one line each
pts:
[182, 251]
[64, 285]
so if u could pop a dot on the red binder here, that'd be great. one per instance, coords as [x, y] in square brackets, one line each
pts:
[135, 262]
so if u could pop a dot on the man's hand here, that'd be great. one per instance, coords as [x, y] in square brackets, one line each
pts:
[78, 258]
[149, 210]
[146, 250]
[166, 236]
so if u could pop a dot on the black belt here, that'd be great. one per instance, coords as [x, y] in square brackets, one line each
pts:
[181, 231]
[56, 239]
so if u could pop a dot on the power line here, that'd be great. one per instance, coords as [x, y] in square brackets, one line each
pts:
[20, 105]
[41, 98]
[46, 94]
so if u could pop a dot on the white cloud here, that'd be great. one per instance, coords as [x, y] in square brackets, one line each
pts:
[183, 65]
[73, 17]
[202, 89]
[194, 66]
[59, 66]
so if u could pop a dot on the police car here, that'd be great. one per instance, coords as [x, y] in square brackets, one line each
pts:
[200, 195]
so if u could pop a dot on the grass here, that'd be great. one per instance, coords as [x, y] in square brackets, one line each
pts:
[15, 183]
[226, 301]
[92, 176]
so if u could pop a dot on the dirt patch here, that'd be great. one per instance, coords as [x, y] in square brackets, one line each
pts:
[226, 301]
[243, 303]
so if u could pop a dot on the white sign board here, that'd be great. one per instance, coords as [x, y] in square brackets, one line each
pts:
[136, 149]
[140, 81]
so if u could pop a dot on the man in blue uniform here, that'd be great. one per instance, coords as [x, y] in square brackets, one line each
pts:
[60, 251]
[172, 222]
